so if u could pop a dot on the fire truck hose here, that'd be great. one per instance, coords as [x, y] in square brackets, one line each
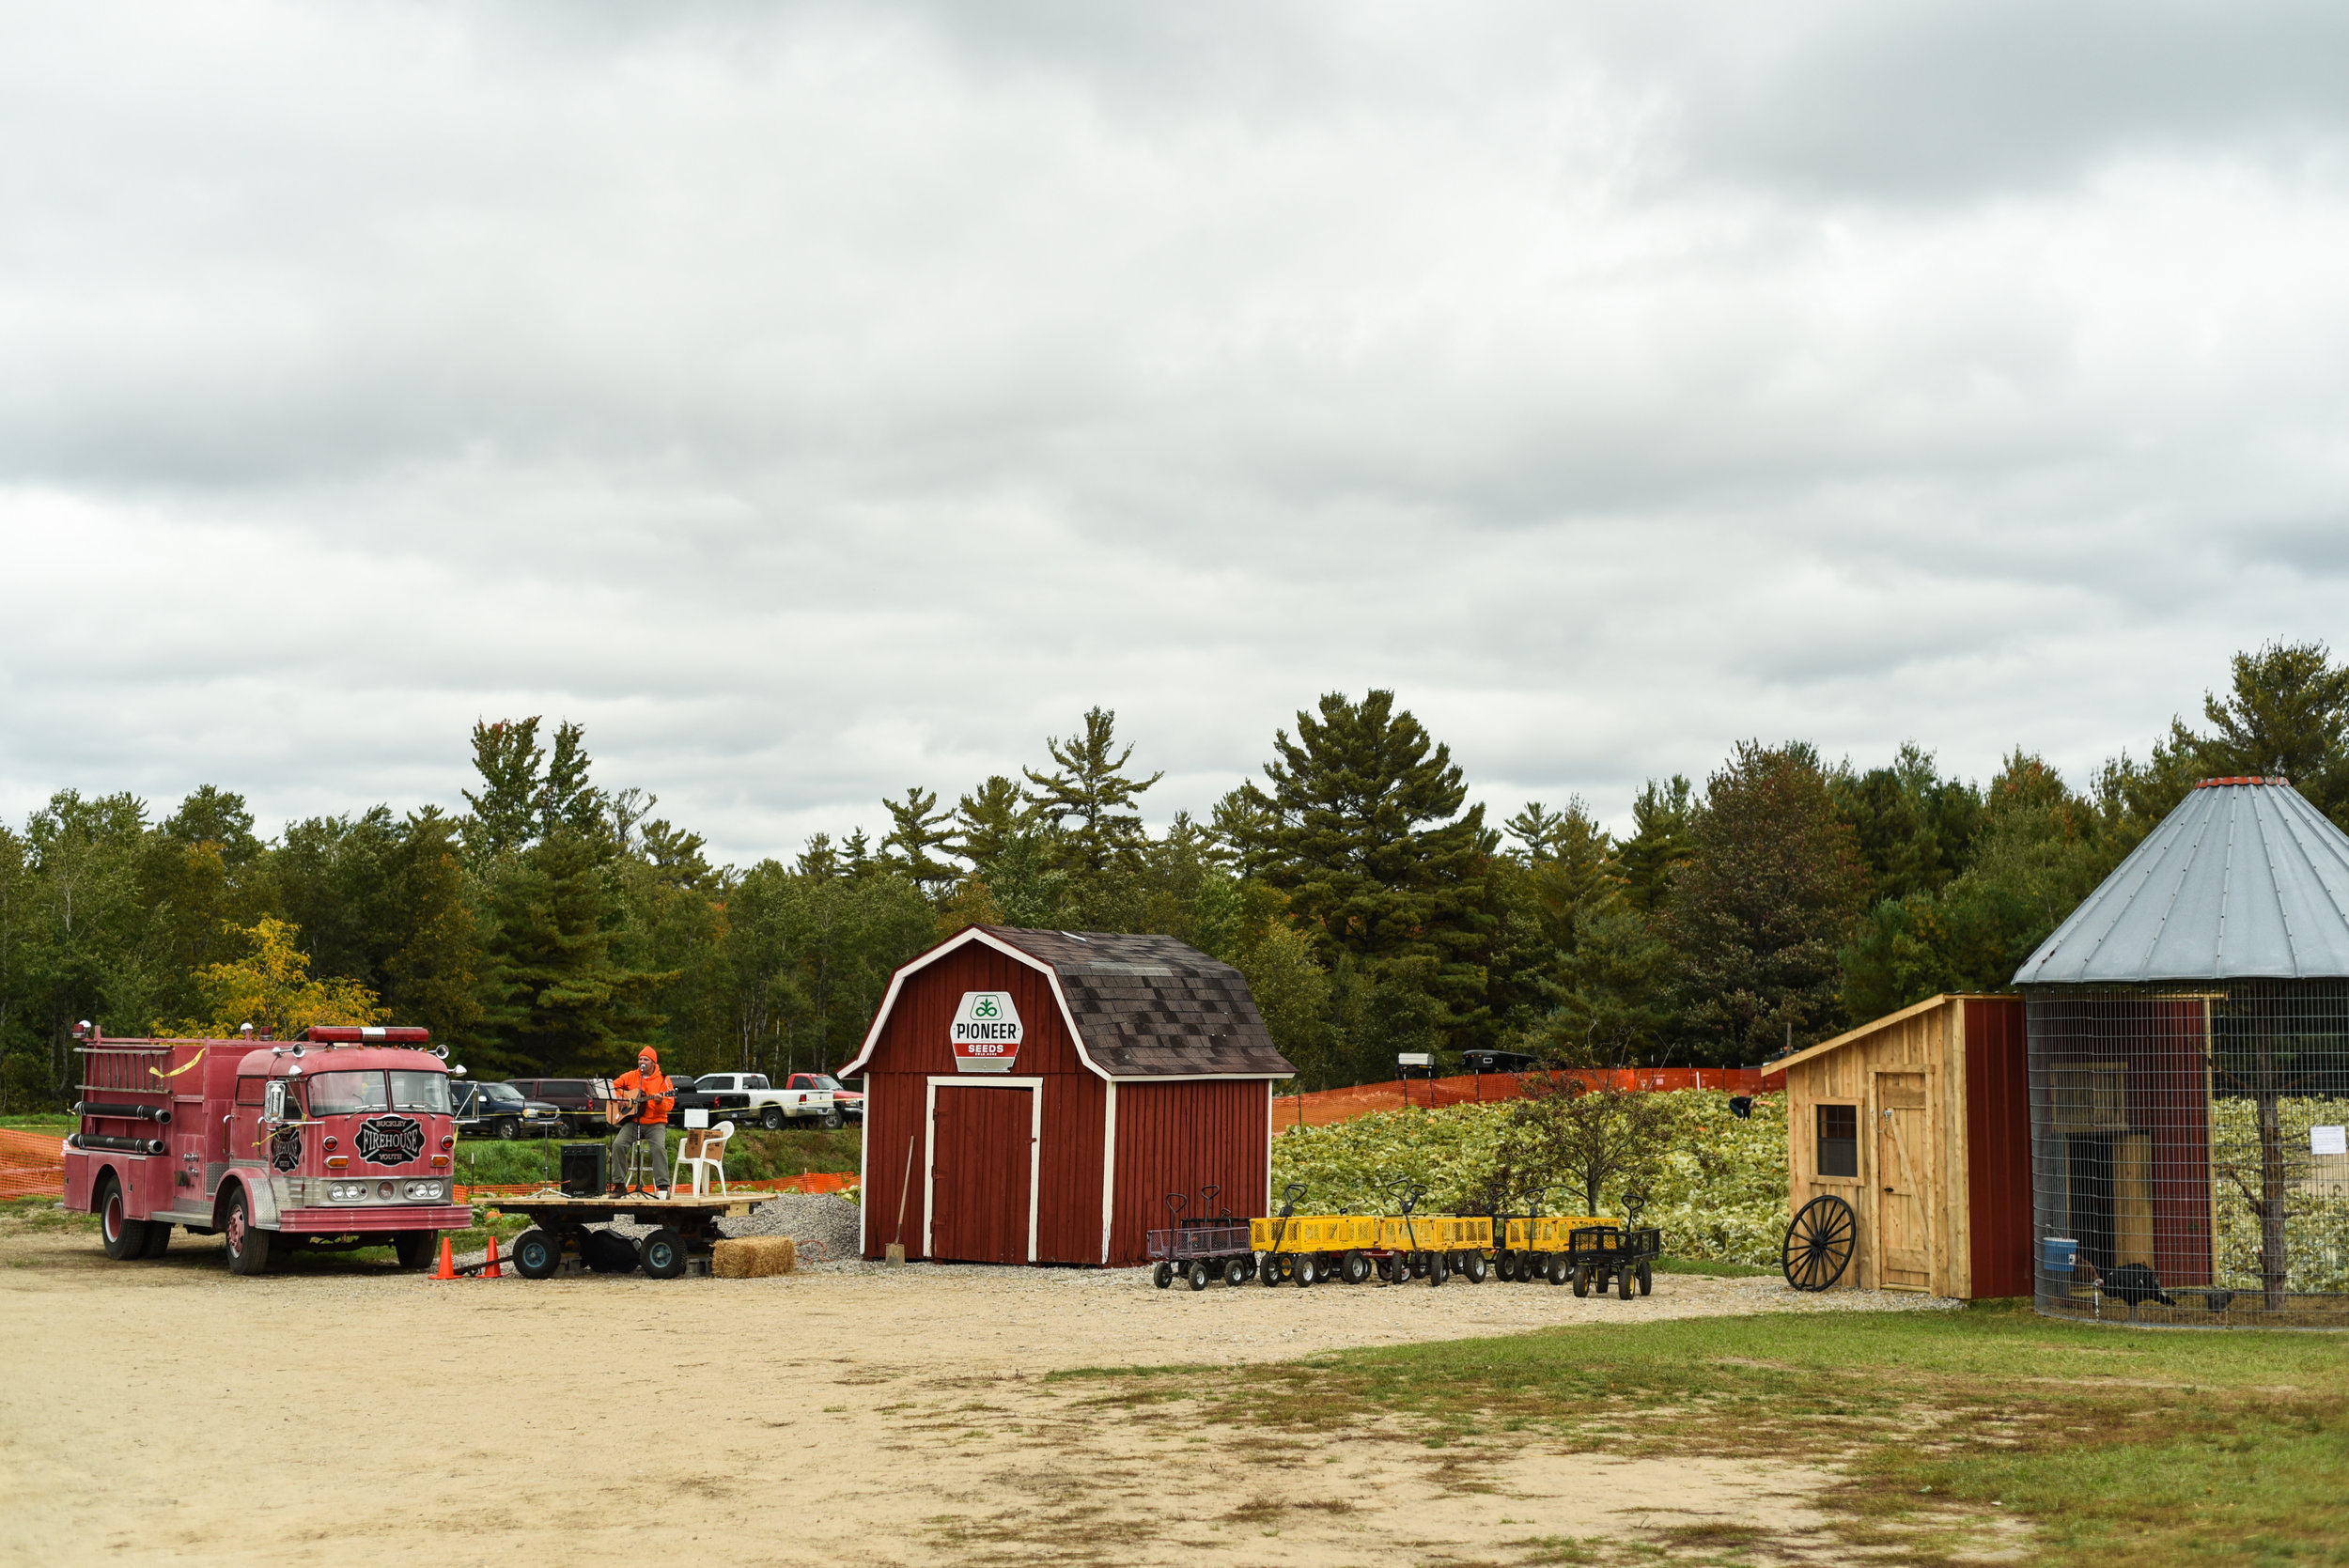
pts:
[118, 1145]
[135, 1112]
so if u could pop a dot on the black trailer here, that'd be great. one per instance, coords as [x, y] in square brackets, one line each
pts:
[684, 1228]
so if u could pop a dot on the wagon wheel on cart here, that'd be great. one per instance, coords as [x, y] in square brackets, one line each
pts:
[1163, 1274]
[537, 1253]
[1819, 1243]
[1235, 1271]
[1198, 1276]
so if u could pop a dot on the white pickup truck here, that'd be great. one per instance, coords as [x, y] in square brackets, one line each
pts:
[746, 1096]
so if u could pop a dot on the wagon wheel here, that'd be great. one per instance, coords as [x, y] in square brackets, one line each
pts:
[1163, 1276]
[1819, 1243]
[1198, 1276]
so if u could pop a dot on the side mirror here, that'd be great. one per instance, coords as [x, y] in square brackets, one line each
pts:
[458, 1071]
[274, 1101]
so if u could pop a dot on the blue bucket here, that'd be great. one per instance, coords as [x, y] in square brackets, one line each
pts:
[2058, 1254]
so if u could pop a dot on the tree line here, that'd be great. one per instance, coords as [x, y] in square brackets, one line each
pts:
[553, 925]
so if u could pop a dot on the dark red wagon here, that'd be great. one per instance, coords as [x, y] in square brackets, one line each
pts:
[1031, 1096]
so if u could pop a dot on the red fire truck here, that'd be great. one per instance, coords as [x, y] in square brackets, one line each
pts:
[342, 1138]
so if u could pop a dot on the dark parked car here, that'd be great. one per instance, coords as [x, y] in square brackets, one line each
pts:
[499, 1111]
[579, 1110]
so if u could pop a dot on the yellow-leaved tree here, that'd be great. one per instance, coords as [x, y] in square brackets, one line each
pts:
[271, 988]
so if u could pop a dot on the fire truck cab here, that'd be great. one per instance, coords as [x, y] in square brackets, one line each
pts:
[342, 1138]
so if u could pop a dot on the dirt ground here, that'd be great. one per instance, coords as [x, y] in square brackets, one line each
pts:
[165, 1411]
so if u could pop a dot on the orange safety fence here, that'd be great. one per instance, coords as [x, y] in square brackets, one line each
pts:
[32, 1164]
[1326, 1106]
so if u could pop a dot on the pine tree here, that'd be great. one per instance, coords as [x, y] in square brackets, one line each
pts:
[505, 814]
[1379, 861]
[1663, 815]
[559, 999]
[989, 819]
[1762, 906]
[1088, 799]
[919, 828]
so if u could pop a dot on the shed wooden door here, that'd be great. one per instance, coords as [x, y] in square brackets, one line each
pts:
[1904, 1183]
[981, 1170]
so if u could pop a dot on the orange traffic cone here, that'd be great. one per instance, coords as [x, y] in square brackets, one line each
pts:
[448, 1264]
[491, 1271]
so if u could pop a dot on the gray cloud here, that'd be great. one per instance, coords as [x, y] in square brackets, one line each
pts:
[816, 401]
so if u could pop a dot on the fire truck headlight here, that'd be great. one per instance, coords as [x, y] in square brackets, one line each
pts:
[347, 1192]
[426, 1189]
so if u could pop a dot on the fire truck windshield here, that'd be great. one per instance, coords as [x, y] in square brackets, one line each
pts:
[344, 1094]
[426, 1091]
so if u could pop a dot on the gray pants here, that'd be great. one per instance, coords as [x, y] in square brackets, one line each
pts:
[632, 1133]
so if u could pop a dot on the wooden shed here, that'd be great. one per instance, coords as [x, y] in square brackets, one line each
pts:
[1031, 1096]
[1921, 1122]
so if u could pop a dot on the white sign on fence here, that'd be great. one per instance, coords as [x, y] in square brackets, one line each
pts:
[2329, 1141]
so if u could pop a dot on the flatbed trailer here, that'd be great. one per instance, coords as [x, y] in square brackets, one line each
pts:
[684, 1228]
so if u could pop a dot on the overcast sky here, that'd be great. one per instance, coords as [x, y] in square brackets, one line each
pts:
[816, 401]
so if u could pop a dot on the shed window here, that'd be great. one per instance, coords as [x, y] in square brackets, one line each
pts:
[1839, 1141]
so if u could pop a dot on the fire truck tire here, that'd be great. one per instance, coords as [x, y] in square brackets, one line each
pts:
[412, 1249]
[538, 1254]
[157, 1238]
[507, 1129]
[122, 1236]
[248, 1244]
[771, 1118]
[663, 1252]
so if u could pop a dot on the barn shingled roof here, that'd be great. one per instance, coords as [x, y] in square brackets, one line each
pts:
[2245, 880]
[1154, 1007]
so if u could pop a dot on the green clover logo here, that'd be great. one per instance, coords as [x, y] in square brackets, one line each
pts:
[985, 1008]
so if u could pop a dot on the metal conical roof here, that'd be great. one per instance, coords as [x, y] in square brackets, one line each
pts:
[2245, 880]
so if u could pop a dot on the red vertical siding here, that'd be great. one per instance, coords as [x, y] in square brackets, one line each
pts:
[2168, 1093]
[1998, 1147]
[1178, 1138]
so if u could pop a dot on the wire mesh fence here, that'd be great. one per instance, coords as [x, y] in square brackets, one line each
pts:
[2189, 1163]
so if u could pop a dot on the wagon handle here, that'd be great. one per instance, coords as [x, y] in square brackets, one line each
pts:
[1289, 1195]
[1206, 1202]
[1175, 1203]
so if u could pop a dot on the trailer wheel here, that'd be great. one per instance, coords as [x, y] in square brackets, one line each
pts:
[1163, 1276]
[158, 1239]
[1235, 1272]
[248, 1244]
[771, 1118]
[1438, 1270]
[412, 1249]
[538, 1254]
[507, 1129]
[1473, 1266]
[1647, 1278]
[663, 1252]
[122, 1236]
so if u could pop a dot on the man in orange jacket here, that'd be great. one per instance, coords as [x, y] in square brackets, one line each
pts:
[650, 1121]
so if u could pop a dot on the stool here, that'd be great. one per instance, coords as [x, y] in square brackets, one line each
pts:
[642, 1170]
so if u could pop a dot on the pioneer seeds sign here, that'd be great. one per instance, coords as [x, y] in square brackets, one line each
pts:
[986, 1032]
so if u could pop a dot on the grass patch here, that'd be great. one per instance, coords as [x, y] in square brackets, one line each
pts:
[754, 1156]
[53, 1121]
[2112, 1444]
[39, 1215]
[1712, 1267]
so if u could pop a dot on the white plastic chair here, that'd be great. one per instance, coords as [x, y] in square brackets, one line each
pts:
[706, 1151]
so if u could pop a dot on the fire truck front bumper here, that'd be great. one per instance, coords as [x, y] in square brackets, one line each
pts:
[348, 1217]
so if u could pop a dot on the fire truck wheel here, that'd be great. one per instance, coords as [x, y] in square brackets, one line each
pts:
[508, 1130]
[122, 1236]
[537, 1255]
[157, 1238]
[248, 1244]
[663, 1251]
[1163, 1276]
[412, 1249]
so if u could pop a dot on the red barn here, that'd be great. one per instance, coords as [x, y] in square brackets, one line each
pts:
[1031, 1096]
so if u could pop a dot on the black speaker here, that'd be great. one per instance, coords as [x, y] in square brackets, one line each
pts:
[582, 1170]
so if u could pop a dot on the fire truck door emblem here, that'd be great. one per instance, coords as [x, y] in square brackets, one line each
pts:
[390, 1140]
[285, 1150]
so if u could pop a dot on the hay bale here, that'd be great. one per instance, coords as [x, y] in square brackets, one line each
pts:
[754, 1257]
